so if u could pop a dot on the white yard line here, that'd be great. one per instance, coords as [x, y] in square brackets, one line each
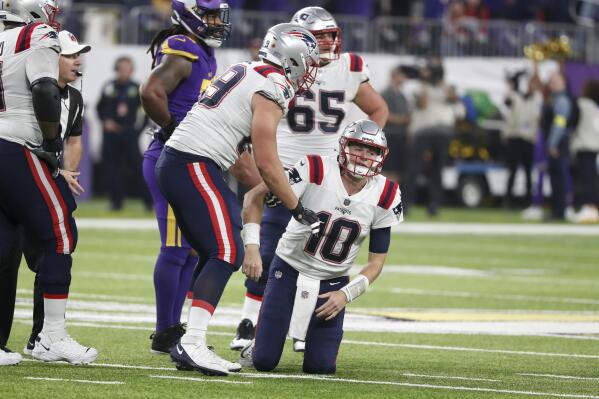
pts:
[207, 379]
[356, 381]
[449, 377]
[510, 297]
[563, 377]
[70, 380]
[404, 228]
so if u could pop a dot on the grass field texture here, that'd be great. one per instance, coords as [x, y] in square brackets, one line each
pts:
[452, 316]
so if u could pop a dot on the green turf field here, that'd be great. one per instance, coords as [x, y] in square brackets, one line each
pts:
[447, 302]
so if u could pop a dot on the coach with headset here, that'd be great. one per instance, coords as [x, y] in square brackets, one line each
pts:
[71, 122]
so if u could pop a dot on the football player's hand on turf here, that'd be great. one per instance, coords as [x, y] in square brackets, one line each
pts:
[336, 301]
[72, 181]
[252, 262]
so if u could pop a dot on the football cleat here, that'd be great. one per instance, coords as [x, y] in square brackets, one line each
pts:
[298, 345]
[245, 334]
[29, 347]
[245, 356]
[163, 341]
[198, 357]
[8, 357]
[62, 348]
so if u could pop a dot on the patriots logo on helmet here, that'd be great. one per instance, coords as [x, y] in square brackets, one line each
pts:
[305, 38]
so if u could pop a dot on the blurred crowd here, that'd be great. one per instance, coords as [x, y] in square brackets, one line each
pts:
[546, 131]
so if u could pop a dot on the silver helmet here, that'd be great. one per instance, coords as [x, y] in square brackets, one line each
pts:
[44, 11]
[294, 49]
[9, 12]
[367, 133]
[319, 21]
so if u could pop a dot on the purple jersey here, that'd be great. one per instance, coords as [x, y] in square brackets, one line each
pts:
[189, 89]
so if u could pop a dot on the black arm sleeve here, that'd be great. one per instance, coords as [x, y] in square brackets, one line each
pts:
[46, 105]
[380, 240]
[77, 127]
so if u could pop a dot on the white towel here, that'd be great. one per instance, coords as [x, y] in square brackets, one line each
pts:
[306, 295]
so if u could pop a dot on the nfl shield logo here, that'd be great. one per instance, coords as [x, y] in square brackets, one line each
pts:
[346, 202]
[305, 294]
[278, 274]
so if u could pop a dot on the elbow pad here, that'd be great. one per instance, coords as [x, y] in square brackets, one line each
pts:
[46, 100]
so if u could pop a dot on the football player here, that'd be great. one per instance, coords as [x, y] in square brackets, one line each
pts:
[312, 126]
[243, 106]
[308, 284]
[184, 64]
[34, 195]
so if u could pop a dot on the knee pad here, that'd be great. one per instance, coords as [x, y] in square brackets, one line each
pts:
[174, 255]
[263, 363]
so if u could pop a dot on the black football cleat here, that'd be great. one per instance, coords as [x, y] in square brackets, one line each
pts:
[245, 334]
[163, 341]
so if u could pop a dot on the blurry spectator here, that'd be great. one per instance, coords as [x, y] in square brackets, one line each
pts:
[522, 125]
[432, 127]
[120, 111]
[557, 143]
[585, 147]
[254, 47]
[515, 10]
[397, 127]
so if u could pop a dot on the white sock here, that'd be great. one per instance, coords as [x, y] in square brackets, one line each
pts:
[251, 309]
[197, 324]
[54, 311]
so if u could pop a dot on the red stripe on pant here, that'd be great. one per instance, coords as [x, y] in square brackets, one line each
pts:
[198, 303]
[254, 297]
[225, 211]
[56, 296]
[60, 247]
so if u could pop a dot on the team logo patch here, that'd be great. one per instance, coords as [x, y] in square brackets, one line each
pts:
[346, 202]
[305, 294]
[278, 274]
[305, 38]
[398, 209]
[294, 176]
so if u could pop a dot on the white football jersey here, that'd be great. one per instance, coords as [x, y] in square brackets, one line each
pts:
[346, 220]
[314, 122]
[17, 118]
[219, 124]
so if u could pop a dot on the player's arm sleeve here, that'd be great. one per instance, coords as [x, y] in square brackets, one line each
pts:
[276, 88]
[389, 211]
[77, 128]
[299, 176]
[380, 240]
[358, 72]
[42, 63]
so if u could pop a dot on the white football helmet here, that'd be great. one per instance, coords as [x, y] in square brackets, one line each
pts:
[294, 49]
[318, 21]
[9, 12]
[366, 133]
[39, 11]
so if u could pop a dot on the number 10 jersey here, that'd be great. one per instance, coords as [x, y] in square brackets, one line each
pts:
[313, 124]
[345, 220]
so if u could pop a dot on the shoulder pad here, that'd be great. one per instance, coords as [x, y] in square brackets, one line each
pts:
[356, 63]
[388, 194]
[37, 35]
[316, 167]
[180, 45]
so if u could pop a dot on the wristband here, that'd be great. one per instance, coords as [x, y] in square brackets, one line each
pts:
[356, 287]
[251, 234]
